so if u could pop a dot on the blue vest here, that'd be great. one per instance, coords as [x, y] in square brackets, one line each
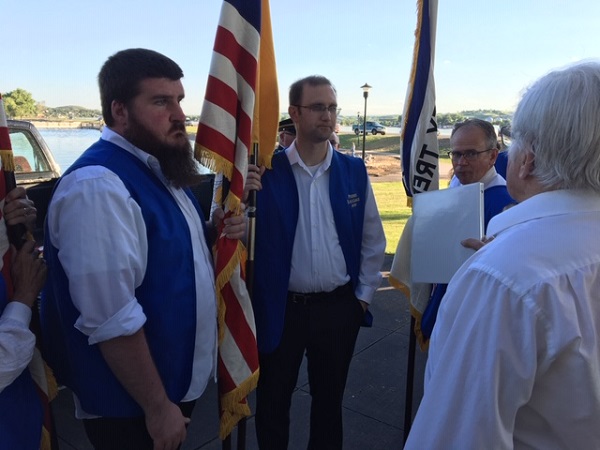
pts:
[276, 220]
[495, 199]
[167, 296]
[21, 411]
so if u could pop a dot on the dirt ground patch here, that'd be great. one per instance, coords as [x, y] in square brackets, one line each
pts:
[388, 168]
[383, 165]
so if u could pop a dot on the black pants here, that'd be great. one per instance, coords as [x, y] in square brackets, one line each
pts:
[326, 329]
[120, 433]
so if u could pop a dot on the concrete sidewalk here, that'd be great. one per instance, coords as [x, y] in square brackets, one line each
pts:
[373, 403]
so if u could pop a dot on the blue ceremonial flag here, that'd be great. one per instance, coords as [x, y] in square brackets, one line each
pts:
[419, 151]
[419, 145]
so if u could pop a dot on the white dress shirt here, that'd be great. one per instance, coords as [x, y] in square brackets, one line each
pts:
[490, 179]
[105, 256]
[318, 263]
[16, 342]
[514, 359]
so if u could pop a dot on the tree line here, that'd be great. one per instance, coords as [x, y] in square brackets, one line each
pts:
[21, 104]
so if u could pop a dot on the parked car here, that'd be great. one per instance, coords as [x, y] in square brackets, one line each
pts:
[372, 127]
[35, 167]
[37, 171]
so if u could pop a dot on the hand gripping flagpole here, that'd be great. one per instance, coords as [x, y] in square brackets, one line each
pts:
[251, 209]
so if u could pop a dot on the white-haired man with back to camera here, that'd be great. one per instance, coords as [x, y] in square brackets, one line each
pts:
[514, 359]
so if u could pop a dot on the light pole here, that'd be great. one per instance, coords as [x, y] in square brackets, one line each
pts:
[365, 89]
[357, 129]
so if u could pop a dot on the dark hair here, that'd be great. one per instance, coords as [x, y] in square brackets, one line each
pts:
[120, 76]
[488, 129]
[297, 87]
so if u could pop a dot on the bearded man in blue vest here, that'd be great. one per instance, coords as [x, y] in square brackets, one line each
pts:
[319, 249]
[130, 311]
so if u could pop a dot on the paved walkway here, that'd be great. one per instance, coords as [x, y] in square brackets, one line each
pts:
[373, 403]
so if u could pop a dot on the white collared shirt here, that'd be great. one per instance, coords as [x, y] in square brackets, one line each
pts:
[318, 263]
[105, 257]
[490, 179]
[514, 359]
[16, 342]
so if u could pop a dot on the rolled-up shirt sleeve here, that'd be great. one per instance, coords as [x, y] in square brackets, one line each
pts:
[100, 235]
[16, 342]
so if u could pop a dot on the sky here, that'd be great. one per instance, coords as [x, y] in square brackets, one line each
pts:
[486, 52]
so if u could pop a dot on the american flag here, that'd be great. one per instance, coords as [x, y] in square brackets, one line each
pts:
[242, 71]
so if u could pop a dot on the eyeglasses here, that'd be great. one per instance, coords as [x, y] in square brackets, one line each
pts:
[320, 108]
[469, 155]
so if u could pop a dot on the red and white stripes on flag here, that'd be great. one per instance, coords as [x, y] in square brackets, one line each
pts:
[419, 150]
[223, 142]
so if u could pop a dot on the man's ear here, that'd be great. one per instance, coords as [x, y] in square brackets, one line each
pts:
[493, 156]
[119, 112]
[293, 112]
[527, 164]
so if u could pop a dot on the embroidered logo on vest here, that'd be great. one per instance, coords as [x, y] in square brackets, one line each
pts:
[353, 200]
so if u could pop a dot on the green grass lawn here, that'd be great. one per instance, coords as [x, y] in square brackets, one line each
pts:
[385, 144]
[376, 143]
[391, 201]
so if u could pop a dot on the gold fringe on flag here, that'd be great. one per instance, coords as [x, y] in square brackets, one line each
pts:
[8, 160]
[234, 407]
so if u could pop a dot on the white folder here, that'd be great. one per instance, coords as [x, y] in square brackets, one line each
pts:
[442, 219]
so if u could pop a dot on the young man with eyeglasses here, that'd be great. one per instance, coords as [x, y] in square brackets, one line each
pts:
[474, 151]
[319, 250]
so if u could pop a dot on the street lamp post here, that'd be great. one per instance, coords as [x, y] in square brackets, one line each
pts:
[357, 129]
[365, 89]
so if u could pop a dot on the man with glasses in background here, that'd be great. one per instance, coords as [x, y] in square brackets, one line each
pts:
[474, 151]
[319, 250]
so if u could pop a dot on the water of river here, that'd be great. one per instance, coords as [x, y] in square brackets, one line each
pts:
[68, 144]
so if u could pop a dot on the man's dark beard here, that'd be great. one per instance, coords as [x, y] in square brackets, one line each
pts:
[176, 161]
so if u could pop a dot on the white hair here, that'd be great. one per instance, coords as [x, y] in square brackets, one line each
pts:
[558, 119]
